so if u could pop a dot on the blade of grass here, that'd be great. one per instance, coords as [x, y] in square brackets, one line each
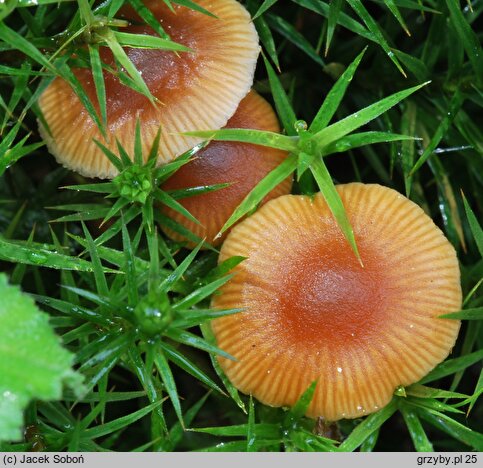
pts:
[291, 34]
[169, 383]
[468, 314]
[282, 104]
[468, 37]
[98, 78]
[377, 32]
[364, 430]
[258, 193]
[454, 106]
[333, 18]
[334, 202]
[257, 137]
[475, 227]
[452, 365]
[343, 127]
[334, 96]
[416, 431]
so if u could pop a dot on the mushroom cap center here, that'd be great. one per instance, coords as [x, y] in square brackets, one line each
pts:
[328, 296]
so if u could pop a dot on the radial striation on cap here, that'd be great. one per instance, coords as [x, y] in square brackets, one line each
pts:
[198, 90]
[314, 314]
[242, 165]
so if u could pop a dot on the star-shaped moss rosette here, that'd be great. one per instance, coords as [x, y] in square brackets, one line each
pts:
[138, 191]
[142, 315]
[309, 144]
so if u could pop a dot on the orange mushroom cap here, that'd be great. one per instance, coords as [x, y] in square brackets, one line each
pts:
[314, 314]
[242, 165]
[197, 91]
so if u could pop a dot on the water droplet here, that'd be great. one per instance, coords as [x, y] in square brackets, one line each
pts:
[268, 371]
[339, 370]
[37, 258]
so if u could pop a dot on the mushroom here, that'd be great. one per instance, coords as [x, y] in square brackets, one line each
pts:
[242, 165]
[196, 91]
[313, 313]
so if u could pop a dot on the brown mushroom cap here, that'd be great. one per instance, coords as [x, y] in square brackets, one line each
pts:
[241, 164]
[313, 313]
[198, 91]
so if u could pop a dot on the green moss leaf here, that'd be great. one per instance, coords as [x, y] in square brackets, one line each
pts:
[33, 365]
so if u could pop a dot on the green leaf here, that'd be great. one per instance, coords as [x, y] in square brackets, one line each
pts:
[169, 383]
[11, 251]
[343, 127]
[297, 39]
[416, 431]
[194, 6]
[146, 41]
[344, 20]
[391, 4]
[475, 227]
[120, 423]
[20, 43]
[454, 106]
[367, 427]
[453, 428]
[266, 38]
[452, 365]
[333, 18]
[327, 187]
[264, 7]
[240, 446]
[167, 283]
[258, 193]
[266, 430]
[188, 366]
[201, 293]
[356, 140]
[29, 368]
[147, 15]
[300, 408]
[282, 103]
[467, 314]
[170, 202]
[98, 78]
[232, 391]
[73, 310]
[468, 37]
[195, 341]
[251, 434]
[256, 137]
[422, 391]
[124, 60]
[376, 31]
[98, 270]
[334, 97]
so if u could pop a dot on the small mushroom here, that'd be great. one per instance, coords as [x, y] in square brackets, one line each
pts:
[197, 91]
[242, 165]
[313, 313]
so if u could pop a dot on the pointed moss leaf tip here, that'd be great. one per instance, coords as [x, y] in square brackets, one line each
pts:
[33, 365]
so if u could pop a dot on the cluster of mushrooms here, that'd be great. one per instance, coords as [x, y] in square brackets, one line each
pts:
[312, 311]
